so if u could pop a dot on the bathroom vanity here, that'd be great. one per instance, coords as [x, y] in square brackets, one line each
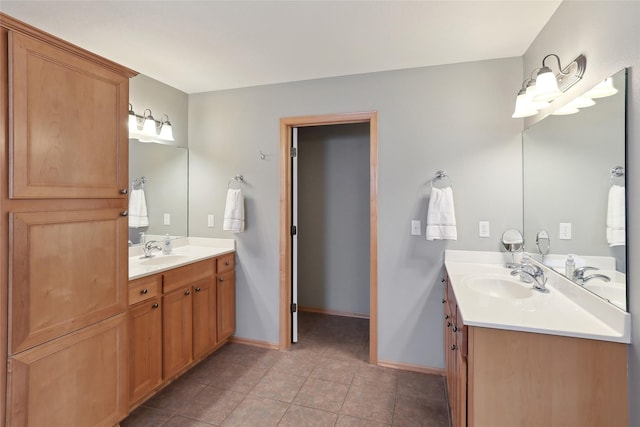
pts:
[181, 309]
[515, 356]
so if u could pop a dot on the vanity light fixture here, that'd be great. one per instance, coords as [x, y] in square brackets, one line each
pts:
[544, 86]
[146, 129]
[166, 132]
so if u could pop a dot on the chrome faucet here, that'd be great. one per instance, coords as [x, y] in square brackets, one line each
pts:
[149, 247]
[536, 273]
[580, 278]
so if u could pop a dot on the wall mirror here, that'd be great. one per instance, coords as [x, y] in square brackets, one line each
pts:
[573, 192]
[165, 169]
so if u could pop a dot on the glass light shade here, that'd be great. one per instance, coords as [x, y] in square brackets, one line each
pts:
[546, 86]
[523, 107]
[602, 89]
[565, 110]
[538, 105]
[166, 132]
[149, 127]
[581, 102]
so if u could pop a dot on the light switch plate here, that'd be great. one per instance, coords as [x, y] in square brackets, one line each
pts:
[210, 220]
[167, 219]
[416, 227]
[564, 231]
[483, 229]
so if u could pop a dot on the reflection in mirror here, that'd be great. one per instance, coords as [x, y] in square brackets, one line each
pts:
[543, 243]
[165, 172]
[513, 242]
[571, 190]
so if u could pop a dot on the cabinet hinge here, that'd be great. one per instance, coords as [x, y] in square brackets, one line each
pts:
[294, 307]
[294, 152]
[294, 230]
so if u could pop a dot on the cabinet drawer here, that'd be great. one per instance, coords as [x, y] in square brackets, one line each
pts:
[188, 274]
[225, 263]
[144, 288]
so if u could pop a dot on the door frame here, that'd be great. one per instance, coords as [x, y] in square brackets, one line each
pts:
[286, 124]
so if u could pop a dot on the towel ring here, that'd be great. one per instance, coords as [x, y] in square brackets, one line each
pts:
[442, 175]
[616, 172]
[238, 179]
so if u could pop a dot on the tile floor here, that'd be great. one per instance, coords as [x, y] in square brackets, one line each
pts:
[324, 380]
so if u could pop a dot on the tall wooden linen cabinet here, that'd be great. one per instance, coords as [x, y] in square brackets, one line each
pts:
[63, 250]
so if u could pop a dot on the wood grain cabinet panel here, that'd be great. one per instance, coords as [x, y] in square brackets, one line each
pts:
[177, 339]
[226, 290]
[69, 123]
[68, 270]
[204, 317]
[77, 380]
[145, 348]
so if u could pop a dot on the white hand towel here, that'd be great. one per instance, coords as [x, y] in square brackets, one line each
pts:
[138, 209]
[616, 217]
[441, 216]
[234, 211]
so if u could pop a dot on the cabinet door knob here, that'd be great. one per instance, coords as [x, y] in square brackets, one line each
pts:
[124, 191]
[446, 316]
[227, 263]
[455, 329]
[221, 279]
[154, 306]
[124, 213]
[449, 325]
[187, 292]
[454, 347]
[198, 289]
[144, 291]
[444, 300]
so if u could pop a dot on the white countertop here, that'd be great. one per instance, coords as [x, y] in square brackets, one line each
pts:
[184, 251]
[567, 310]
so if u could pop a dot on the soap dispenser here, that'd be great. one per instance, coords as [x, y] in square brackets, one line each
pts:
[166, 245]
[569, 266]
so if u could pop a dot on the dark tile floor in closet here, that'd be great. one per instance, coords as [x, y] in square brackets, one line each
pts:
[324, 380]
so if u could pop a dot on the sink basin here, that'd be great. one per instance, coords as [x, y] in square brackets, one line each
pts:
[163, 259]
[497, 286]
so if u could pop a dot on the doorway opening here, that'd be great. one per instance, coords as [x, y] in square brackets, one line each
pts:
[287, 125]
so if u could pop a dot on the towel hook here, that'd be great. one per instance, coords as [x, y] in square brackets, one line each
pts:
[239, 179]
[441, 175]
[616, 172]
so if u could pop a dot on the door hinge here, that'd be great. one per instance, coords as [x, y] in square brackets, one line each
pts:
[294, 230]
[294, 307]
[294, 152]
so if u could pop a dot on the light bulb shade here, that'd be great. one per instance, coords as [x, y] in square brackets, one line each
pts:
[523, 107]
[149, 127]
[546, 86]
[602, 89]
[133, 123]
[166, 132]
[581, 102]
[538, 105]
[565, 110]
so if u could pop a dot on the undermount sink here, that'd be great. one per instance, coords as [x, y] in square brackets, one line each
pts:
[163, 259]
[497, 286]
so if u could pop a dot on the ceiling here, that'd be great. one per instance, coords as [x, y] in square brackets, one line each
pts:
[199, 46]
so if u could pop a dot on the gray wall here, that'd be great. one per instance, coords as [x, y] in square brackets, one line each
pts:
[333, 218]
[607, 33]
[453, 117]
[165, 166]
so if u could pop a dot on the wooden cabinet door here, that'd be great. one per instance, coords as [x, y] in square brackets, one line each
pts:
[69, 136]
[77, 380]
[226, 290]
[68, 270]
[176, 331]
[204, 317]
[145, 348]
